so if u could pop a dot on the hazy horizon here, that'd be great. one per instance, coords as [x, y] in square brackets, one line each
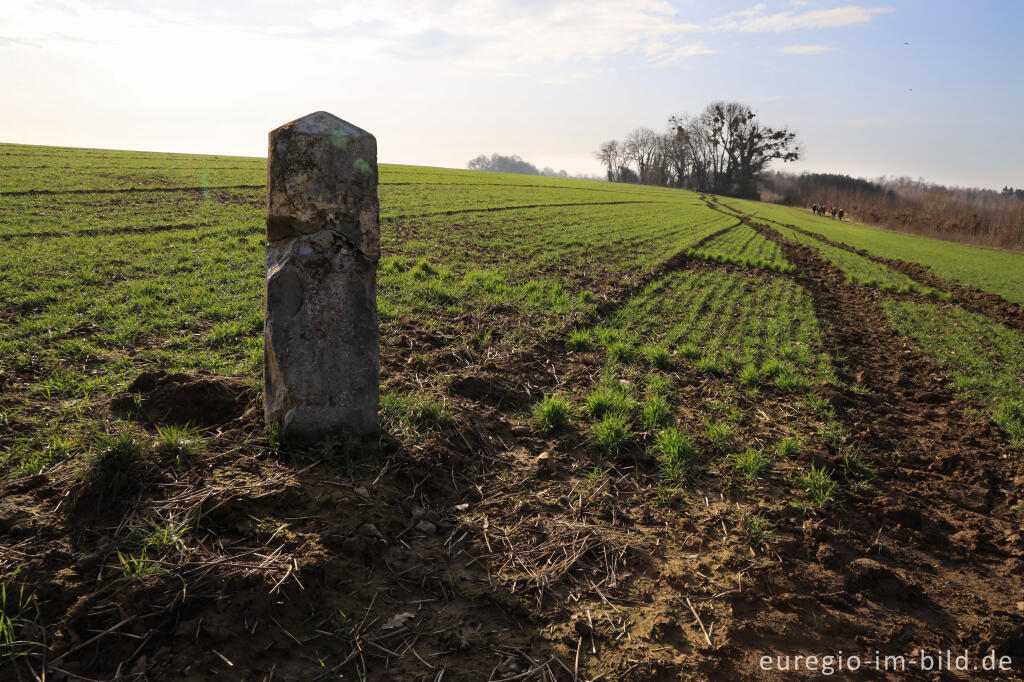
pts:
[909, 88]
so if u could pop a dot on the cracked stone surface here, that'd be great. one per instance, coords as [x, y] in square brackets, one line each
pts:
[322, 355]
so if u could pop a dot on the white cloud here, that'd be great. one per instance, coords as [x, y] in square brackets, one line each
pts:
[806, 49]
[479, 34]
[669, 56]
[755, 20]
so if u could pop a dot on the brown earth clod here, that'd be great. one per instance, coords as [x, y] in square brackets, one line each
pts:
[201, 399]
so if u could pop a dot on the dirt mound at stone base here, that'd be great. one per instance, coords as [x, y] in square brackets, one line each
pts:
[201, 399]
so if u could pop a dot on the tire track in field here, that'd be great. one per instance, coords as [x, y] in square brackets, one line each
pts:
[495, 209]
[243, 168]
[718, 233]
[934, 556]
[98, 232]
[970, 298]
[505, 184]
[685, 259]
[134, 168]
[35, 192]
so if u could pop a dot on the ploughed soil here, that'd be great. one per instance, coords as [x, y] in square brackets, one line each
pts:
[970, 298]
[945, 563]
[476, 548]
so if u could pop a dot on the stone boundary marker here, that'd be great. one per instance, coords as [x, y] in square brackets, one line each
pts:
[322, 354]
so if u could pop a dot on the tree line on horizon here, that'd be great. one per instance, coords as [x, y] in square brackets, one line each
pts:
[500, 163]
[724, 149]
[979, 216]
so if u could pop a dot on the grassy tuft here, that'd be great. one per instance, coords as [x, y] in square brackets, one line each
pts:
[1009, 415]
[658, 384]
[818, 486]
[689, 351]
[580, 339]
[180, 442]
[676, 453]
[413, 415]
[760, 530]
[19, 613]
[788, 446]
[656, 356]
[654, 413]
[791, 382]
[139, 566]
[165, 537]
[609, 399]
[815, 403]
[750, 375]
[709, 364]
[751, 463]
[719, 434]
[611, 432]
[551, 413]
[855, 469]
[620, 352]
[114, 471]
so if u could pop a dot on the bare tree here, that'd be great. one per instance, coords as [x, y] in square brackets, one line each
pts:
[641, 147]
[728, 149]
[724, 150]
[677, 157]
[612, 155]
[749, 145]
[707, 160]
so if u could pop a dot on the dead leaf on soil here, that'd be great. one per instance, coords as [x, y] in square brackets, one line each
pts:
[398, 620]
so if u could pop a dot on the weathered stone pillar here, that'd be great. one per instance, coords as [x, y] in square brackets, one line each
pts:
[322, 355]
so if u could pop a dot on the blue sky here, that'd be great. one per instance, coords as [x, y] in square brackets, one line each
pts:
[923, 88]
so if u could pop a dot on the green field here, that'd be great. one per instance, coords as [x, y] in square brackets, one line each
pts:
[984, 358]
[698, 395]
[998, 272]
[132, 260]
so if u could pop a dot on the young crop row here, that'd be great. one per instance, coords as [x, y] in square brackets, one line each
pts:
[192, 299]
[392, 174]
[756, 328]
[422, 200]
[1000, 272]
[621, 414]
[591, 242]
[742, 245]
[985, 358]
[34, 155]
[65, 179]
[54, 169]
[679, 356]
[407, 287]
[410, 190]
[857, 268]
[124, 212]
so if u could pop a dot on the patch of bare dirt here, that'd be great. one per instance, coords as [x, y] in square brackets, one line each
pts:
[934, 560]
[970, 298]
[201, 399]
[483, 550]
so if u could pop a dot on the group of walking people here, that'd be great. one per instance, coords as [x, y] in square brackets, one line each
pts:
[822, 210]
